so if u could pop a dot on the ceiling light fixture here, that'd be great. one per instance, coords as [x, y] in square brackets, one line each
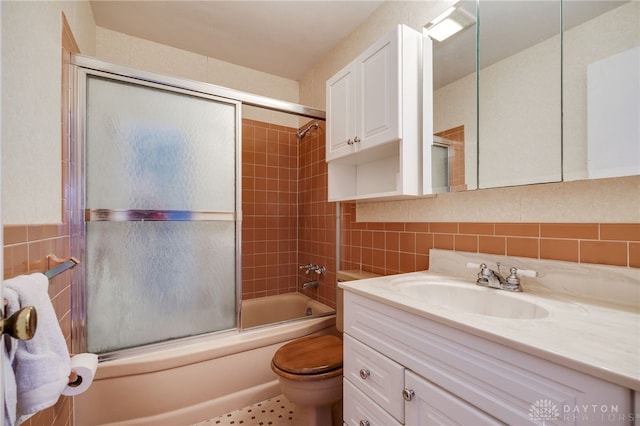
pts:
[448, 23]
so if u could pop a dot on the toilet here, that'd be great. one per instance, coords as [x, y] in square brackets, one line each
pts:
[309, 369]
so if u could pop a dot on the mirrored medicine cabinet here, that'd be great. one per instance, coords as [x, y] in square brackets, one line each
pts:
[538, 91]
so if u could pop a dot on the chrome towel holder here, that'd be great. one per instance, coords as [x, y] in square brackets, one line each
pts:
[56, 266]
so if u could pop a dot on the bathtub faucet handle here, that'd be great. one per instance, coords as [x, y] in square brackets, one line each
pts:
[307, 268]
[320, 270]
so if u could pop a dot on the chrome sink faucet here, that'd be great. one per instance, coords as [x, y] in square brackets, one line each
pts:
[487, 277]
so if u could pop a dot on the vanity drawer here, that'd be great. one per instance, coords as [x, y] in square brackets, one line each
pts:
[379, 377]
[359, 408]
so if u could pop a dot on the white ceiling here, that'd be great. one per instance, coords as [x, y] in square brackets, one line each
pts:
[283, 38]
[287, 38]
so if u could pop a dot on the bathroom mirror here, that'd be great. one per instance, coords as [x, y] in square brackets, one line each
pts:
[454, 101]
[524, 116]
[601, 89]
[519, 93]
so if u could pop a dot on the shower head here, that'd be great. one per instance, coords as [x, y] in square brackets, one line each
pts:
[302, 132]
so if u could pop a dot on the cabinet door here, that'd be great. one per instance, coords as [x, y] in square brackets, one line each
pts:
[431, 405]
[341, 113]
[378, 92]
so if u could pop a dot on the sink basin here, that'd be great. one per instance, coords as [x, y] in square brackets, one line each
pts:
[473, 299]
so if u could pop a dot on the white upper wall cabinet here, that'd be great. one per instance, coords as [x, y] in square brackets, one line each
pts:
[374, 137]
[364, 100]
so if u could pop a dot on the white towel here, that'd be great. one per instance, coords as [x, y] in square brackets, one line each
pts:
[10, 390]
[42, 364]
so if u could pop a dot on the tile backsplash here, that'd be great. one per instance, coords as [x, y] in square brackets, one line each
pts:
[398, 247]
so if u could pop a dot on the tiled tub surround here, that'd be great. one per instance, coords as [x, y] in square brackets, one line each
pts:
[287, 221]
[269, 209]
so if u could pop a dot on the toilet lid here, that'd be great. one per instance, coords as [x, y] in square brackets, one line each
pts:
[310, 355]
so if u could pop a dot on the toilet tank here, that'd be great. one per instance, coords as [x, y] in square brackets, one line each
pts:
[348, 275]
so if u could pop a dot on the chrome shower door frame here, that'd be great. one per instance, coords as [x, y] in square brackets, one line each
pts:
[82, 68]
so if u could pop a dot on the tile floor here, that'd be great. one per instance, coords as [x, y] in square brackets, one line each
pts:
[277, 411]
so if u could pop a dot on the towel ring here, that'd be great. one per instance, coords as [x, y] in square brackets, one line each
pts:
[21, 325]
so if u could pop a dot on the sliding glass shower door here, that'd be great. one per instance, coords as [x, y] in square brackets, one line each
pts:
[160, 211]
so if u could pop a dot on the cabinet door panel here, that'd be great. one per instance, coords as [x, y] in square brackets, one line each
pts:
[432, 405]
[378, 95]
[341, 104]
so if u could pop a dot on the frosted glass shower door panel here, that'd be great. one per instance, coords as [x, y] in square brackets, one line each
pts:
[150, 149]
[160, 210]
[155, 281]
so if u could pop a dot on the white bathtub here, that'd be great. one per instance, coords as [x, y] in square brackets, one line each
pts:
[204, 377]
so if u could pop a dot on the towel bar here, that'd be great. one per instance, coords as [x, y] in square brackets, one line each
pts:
[60, 265]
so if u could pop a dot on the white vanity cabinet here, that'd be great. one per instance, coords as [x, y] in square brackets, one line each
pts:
[403, 368]
[374, 110]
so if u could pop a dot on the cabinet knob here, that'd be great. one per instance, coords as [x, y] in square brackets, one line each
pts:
[349, 142]
[356, 140]
[364, 373]
[408, 394]
[364, 423]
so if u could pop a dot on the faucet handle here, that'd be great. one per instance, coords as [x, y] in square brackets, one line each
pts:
[528, 273]
[485, 271]
[513, 278]
[307, 268]
[512, 282]
[320, 270]
[472, 265]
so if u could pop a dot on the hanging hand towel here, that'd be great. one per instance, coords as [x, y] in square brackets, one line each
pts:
[42, 364]
[10, 346]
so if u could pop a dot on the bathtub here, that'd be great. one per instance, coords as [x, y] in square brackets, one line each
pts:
[203, 377]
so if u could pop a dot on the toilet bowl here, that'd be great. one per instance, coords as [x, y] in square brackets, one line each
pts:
[310, 369]
[310, 374]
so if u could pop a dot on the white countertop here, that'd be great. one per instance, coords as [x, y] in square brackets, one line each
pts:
[599, 339]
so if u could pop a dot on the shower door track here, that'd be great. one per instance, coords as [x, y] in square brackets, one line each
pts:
[223, 92]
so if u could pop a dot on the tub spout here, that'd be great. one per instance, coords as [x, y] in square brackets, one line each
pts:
[311, 284]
